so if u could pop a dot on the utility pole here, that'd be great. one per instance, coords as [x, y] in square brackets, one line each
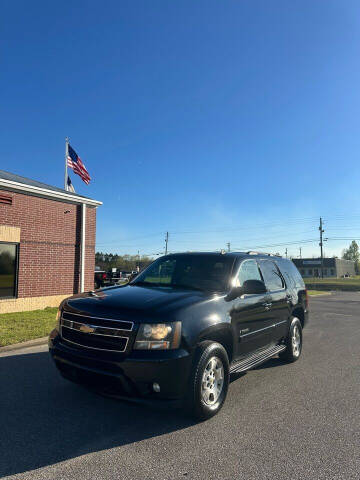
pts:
[300, 251]
[228, 245]
[166, 242]
[286, 252]
[321, 230]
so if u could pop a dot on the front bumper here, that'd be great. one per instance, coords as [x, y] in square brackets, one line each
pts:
[131, 376]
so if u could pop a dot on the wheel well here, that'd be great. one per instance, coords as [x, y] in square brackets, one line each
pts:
[224, 337]
[299, 313]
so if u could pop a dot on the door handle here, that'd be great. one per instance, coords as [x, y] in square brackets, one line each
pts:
[267, 305]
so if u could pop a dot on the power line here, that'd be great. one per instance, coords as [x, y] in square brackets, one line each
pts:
[242, 227]
[297, 242]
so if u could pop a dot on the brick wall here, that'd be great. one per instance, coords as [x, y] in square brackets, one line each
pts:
[50, 244]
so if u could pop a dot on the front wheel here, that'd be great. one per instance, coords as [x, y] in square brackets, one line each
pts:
[209, 381]
[293, 342]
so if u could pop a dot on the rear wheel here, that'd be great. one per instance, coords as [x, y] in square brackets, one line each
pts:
[293, 342]
[209, 381]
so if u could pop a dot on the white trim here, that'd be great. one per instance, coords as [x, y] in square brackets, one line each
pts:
[82, 248]
[44, 192]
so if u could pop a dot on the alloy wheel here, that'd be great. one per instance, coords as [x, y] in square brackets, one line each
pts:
[296, 341]
[212, 381]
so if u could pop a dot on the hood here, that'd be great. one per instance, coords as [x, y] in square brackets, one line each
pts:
[135, 302]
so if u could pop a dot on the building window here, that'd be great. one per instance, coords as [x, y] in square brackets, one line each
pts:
[8, 269]
[325, 272]
[332, 272]
[310, 272]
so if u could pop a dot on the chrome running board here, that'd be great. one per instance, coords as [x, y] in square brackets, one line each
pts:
[255, 359]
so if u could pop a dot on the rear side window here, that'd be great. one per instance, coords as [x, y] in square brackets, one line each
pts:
[272, 278]
[289, 268]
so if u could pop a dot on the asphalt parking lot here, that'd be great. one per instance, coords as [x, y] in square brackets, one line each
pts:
[298, 421]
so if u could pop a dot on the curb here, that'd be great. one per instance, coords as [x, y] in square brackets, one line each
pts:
[28, 344]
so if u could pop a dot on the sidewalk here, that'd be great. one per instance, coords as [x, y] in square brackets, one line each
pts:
[30, 343]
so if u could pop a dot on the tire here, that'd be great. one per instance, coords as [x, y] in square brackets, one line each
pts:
[209, 381]
[293, 342]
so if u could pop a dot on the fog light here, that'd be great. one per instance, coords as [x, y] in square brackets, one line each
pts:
[156, 387]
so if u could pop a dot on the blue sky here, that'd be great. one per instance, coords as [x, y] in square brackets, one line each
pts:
[233, 121]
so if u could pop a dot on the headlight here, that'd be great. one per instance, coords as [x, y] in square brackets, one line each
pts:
[158, 336]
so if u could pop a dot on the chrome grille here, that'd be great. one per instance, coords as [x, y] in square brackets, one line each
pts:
[91, 332]
[100, 321]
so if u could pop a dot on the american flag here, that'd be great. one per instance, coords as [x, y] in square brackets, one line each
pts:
[74, 162]
[70, 186]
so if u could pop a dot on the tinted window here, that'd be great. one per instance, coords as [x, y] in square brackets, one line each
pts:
[271, 275]
[249, 270]
[160, 272]
[8, 254]
[290, 282]
[205, 272]
[288, 267]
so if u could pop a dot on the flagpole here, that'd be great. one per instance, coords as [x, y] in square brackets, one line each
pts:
[66, 155]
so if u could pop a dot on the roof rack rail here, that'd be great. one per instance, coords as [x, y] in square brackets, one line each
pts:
[253, 252]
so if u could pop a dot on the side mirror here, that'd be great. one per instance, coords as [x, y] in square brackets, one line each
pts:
[252, 287]
[235, 292]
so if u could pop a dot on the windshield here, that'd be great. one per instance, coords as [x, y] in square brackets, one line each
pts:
[198, 272]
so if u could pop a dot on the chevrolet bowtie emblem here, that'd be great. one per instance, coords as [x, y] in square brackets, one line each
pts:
[87, 329]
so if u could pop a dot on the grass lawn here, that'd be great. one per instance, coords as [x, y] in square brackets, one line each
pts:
[313, 293]
[345, 284]
[339, 281]
[22, 326]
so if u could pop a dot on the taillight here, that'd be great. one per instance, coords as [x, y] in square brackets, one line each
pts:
[104, 276]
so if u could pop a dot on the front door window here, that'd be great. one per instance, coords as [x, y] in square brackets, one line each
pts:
[249, 270]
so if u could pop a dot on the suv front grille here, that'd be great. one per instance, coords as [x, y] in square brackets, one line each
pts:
[95, 333]
[105, 322]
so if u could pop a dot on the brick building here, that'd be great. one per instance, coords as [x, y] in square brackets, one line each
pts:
[47, 243]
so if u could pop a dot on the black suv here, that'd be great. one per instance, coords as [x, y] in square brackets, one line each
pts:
[179, 329]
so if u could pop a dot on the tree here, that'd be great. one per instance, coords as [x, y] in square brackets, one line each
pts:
[353, 253]
[107, 261]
